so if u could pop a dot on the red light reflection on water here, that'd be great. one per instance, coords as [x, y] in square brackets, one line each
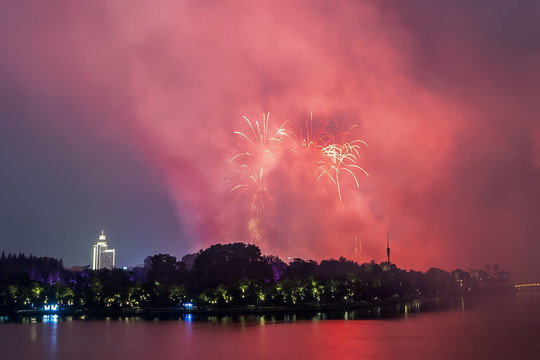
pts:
[499, 328]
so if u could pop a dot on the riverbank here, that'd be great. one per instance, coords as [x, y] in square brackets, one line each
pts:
[266, 310]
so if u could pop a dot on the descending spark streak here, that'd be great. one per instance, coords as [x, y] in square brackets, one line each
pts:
[263, 145]
[307, 147]
[258, 186]
[313, 139]
[256, 229]
[340, 156]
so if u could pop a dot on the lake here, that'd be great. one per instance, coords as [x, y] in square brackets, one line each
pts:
[486, 328]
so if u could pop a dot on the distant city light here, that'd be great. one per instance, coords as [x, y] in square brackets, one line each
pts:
[526, 285]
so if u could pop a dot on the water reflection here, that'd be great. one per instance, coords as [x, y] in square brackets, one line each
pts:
[50, 318]
[319, 316]
[33, 333]
[290, 318]
[472, 329]
[52, 335]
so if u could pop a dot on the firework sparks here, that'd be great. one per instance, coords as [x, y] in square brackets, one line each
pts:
[308, 147]
[338, 158]
[261, 143]
[315, 136]
[255, 162]
[256, 229]
[329, 156]
[258, 187]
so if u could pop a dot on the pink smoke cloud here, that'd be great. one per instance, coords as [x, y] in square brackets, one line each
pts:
[451, 128]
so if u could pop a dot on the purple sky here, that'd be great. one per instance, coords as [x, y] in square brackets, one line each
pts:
[121, 116]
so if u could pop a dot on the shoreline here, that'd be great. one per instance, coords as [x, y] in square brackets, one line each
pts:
[175, 312]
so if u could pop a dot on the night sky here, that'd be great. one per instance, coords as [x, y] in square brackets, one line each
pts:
[121, 116]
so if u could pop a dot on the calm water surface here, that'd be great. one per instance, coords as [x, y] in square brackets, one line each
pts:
[490, 328]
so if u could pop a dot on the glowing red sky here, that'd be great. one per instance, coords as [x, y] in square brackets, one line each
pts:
[121, 115]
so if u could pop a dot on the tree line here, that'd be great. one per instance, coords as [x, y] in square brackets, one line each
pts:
[228, 276]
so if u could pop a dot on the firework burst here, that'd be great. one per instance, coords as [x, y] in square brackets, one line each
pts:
[256, 229]
[313, 139]
[307, 145]
[340, 158]
[258, 189]
[255, 163]
[261, 143]
[327, 155]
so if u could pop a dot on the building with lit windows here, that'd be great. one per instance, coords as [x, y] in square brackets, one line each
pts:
[103, 257]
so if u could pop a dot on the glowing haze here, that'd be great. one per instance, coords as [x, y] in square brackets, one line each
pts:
[122, 115]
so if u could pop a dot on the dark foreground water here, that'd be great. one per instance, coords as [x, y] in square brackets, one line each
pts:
[489, 328]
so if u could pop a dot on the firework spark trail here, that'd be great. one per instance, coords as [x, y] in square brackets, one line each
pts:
[340, 158]
[258, 186]
[307, 147]
[314, 139]
[327, 154]
[255, 162]
[256, 229]
[262, 144]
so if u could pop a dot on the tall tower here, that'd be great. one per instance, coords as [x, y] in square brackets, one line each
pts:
[103, 257]
[388, 247]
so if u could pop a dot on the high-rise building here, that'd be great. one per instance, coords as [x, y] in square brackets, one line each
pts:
[103, 257]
